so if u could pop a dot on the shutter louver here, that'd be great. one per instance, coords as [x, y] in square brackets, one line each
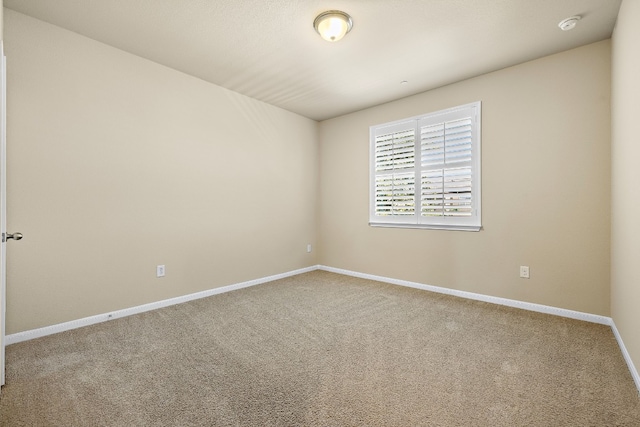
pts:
[446, 143]
[395, 151]
[432, 193]
[458, 141]
[457, 192]
[395, 194]
[432, 141]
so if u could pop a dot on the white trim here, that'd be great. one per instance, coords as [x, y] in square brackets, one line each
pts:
[625, 354]
[414, 170]
[74, 324]
[593, 318]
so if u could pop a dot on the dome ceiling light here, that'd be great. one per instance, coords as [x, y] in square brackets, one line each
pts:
[333, 25]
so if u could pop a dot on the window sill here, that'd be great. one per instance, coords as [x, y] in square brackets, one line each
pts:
[427, 226]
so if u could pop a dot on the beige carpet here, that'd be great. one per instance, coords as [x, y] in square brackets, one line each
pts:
[322, 349]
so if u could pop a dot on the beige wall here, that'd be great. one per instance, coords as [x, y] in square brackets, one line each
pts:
[117, 164]
[625, 203]
[545, 188]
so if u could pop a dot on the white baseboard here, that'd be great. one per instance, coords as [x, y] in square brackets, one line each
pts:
[593, 318]
[587, 317]
[626, 355]
[61, 327]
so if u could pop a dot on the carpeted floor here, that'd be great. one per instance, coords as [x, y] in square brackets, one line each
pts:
[321, 349]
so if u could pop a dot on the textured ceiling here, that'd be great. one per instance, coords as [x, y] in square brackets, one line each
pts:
[268, 49]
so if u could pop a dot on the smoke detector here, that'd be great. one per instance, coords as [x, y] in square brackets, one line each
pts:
[569, 23]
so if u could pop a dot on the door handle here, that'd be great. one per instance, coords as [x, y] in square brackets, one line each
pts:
[7, 236]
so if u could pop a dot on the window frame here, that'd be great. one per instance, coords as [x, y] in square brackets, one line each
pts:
[473, 222]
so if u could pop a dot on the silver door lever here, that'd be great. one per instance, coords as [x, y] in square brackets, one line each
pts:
[7, 236]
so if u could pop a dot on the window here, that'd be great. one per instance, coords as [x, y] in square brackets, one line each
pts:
[425, 171]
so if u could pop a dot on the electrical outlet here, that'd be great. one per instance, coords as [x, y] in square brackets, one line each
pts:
[160, 271]
[309, 248]
[524, 271]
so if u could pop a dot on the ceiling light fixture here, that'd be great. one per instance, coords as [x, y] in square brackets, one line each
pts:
[332, 25]
[569, 23]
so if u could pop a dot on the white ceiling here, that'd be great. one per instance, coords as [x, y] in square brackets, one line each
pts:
[268, 49]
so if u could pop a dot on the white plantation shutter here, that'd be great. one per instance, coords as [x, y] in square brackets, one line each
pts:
[446, 162]
[394, 166]
[426, 171]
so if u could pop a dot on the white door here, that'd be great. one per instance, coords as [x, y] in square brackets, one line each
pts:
[3, 204]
